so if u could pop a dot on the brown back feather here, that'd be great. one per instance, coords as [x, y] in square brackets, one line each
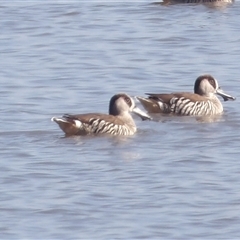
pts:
[165, 98]
[85, 118]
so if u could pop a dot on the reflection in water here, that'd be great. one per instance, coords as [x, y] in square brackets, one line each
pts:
[158, 117]
[210, 119]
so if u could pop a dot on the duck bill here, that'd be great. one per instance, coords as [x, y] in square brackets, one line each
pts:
[225, 96]
[141, 114]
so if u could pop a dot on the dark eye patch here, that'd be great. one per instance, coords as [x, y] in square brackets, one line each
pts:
[128, 101]
[212, 82]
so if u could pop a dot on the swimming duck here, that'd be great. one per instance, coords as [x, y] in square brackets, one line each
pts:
[202, 102]
[207, 2]
[118, 122]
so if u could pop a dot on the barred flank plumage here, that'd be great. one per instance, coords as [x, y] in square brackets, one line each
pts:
[101, 126]
[184, 106]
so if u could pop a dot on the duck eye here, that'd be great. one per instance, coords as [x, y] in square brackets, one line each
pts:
[212, 82]
[128, 100]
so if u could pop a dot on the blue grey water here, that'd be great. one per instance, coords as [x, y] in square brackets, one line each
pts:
[176, 178]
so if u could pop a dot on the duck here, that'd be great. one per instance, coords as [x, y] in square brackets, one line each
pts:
[206, 2]
[118, 122]
[200, 103]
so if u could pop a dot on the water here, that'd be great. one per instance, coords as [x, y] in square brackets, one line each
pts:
[177, 178]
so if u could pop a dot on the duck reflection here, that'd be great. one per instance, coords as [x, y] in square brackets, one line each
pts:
[158, 117]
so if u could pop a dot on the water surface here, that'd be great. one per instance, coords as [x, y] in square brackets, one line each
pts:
[177, 178]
